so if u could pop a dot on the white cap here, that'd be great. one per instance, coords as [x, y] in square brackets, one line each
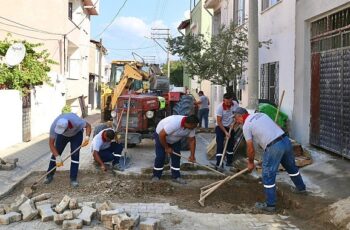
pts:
[61, 125]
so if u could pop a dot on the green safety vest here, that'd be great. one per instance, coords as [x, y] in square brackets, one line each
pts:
[161, 102]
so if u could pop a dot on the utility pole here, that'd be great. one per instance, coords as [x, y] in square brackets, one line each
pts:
[99, 75]
[162, 34]
[253, 55]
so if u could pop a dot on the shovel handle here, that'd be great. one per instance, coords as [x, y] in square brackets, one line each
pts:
[204, 166]
[36, 182]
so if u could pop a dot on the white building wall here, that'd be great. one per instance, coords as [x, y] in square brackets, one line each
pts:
[306, 11]
[10, 118]
[44, 108]
[278, 24]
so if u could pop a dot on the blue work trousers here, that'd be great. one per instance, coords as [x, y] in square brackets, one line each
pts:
[112, 153]
[60, 143]
[220, 144]
[203, 114]
[280, 152]
[160, 158]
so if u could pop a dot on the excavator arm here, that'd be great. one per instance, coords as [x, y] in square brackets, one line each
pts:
[130, 74]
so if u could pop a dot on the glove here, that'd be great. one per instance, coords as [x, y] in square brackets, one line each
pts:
[86, 141]
[59, 161]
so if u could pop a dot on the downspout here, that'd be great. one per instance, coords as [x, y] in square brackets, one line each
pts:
[64, 54]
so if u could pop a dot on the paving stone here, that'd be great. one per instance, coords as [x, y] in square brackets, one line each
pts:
[149, 224]
[72, 224]
[10, 218]
[106, 217]
[63, 204]
[86, 214]
[41, 197]
[18, 202]
[90, 204]
[46, 212]
[105, 206]
[59, 218]
[73, 204]
[28, 210]
[44, 202]
[28, 192]
[2, 210]
[125, 221]
[76, 213]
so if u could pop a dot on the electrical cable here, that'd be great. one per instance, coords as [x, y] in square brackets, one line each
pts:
[110, 23]
[42, 39]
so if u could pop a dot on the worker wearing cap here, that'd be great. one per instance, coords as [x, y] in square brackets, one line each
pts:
[277, 149]
[168, 135]
[67, 128]
[224, 119]
[105, 149]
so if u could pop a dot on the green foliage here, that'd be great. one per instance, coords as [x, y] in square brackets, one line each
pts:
[66, 109]
[176, 72]
[221, 61]
[31, 72]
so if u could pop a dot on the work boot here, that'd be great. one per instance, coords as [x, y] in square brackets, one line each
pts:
[179, 180]
[297, 191]
[74, 183]
[48, 179]
[264, 207]
[220, 169]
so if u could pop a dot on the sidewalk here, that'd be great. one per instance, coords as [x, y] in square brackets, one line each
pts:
[35, 156]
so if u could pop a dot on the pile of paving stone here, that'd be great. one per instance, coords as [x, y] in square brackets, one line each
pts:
[71, 214]
[8, 164]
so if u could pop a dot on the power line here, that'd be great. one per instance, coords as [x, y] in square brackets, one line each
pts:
[110, 23]
[140, 48]
[29, 28]
[42, 39]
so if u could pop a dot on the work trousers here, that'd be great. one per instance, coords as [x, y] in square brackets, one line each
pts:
[280, 152]
[220, 142]
[160, 158]
[203, 114]
[60, 143]
[112, 153]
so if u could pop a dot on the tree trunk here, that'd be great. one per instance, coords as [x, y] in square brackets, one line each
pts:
[229, 88]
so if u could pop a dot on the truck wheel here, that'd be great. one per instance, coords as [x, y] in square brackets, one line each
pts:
[185, 106]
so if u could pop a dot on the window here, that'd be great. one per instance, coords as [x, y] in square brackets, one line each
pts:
[268, 3]
[70, 10]
[216, 22]
[238, 12]
[269, 82]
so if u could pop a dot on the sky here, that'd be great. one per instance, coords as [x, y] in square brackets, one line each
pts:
[131, 29]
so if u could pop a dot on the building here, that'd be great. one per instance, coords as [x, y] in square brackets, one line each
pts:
[63, 27]
[97, 51]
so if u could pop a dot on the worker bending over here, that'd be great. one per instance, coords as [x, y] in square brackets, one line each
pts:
[67, 128]
[105, 149]
[224, 119]
[168, 137]
[277, 149]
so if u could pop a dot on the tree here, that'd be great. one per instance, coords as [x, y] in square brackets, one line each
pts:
[31, 72]
[191, 48]
[221, 61]
[176, 72]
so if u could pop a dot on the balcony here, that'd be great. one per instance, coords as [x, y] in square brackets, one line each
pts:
[91, 6]
[212, 4]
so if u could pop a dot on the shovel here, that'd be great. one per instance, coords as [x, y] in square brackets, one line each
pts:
[33, 186]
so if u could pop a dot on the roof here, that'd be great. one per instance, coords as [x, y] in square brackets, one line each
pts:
[98, 44]
[184, 24]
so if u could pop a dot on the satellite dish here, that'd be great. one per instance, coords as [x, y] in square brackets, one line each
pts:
[15, 54]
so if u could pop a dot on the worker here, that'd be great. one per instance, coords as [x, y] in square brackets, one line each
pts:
[168, 135]
[105, 149]
[278, 149]
[224, 120]
[203, 110]
[67, 128]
